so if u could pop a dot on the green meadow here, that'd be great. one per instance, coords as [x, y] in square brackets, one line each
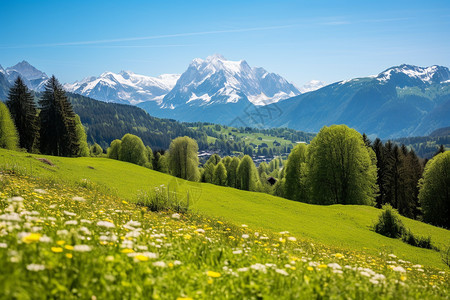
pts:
[336, 226]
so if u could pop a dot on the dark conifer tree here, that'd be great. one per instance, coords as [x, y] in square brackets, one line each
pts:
[23, 112]
[58, 126]
[440, 150]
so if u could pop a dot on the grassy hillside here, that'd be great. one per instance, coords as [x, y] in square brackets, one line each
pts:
[64, 241]
[345, 227]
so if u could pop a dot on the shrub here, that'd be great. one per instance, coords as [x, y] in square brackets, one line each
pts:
[417, 241]
[162, 199]
[389, 223]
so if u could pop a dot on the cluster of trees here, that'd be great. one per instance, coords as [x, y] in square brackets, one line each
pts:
[336, 168]
[54, 130]
[228, 141]
[426, 146]
[399, 171]
[131, 149]
[106, 122]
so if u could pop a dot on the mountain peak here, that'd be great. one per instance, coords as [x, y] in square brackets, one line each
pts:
[312, 86]
[25, 69]
[215, 56]
[429, 74]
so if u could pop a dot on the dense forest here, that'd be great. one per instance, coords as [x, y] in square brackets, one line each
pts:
[426, 146]
[105, 122]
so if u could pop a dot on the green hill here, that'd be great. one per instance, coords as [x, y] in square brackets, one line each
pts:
[336, 226]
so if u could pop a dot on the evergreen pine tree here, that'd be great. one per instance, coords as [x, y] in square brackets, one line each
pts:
[57, 121]
[23, 112]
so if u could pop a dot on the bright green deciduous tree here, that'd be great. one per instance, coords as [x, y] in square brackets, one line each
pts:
[132, 150]
[83, 150]
[232, 172]
[114, 149]
[183, 159]
[434, 194]
[220, 174]
[295, 174]
[96, 150]
[247, 174]
[341, 168]
[9, 138]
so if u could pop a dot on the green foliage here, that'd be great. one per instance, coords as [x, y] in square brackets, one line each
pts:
[232, 167]
[295, 174]
[344, 225]
[434, 194]
[220, 174]
[8, 135]
[161, 163]
[183, 159]
[389, 223]
[82, 138]
[132, 150]
[214, 159]
[150, 157]
[114, 149]
[416, 241]
[57, 122]
[247, 174]
[106, 122]
[162, 199]
[181, 256]
[96, 150]
[23, 111]
[208, 172]
[341, 168]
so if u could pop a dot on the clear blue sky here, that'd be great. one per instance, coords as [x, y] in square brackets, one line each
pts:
[300, 40]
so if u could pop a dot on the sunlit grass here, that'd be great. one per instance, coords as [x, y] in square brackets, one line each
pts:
[346, 227]
[63, 241]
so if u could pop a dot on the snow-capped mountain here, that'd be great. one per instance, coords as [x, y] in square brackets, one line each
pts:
[217, 80]
[125, 87]
[312, 86]
[414, 75]
[32, 77]
[404, 100]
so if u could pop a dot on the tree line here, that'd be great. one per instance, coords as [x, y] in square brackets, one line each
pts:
[52, 128]
[340, 166]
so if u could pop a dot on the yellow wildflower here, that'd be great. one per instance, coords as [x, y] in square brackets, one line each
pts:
[141, 257]
[127, 250]
[213, 274]
[68, 247]
[31, 238]
[57, 249]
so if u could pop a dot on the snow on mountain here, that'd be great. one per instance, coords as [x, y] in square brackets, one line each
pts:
[433, 74]
[312, 86]
[217, 80]
[32, 77]
[125, 87]
[2, 70]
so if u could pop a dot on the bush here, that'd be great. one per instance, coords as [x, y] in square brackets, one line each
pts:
[162, 199]
[422, 242]
[389, 223]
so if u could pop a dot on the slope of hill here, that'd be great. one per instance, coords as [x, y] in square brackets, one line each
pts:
[109, 248]
[401, 101]
[346, 227]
